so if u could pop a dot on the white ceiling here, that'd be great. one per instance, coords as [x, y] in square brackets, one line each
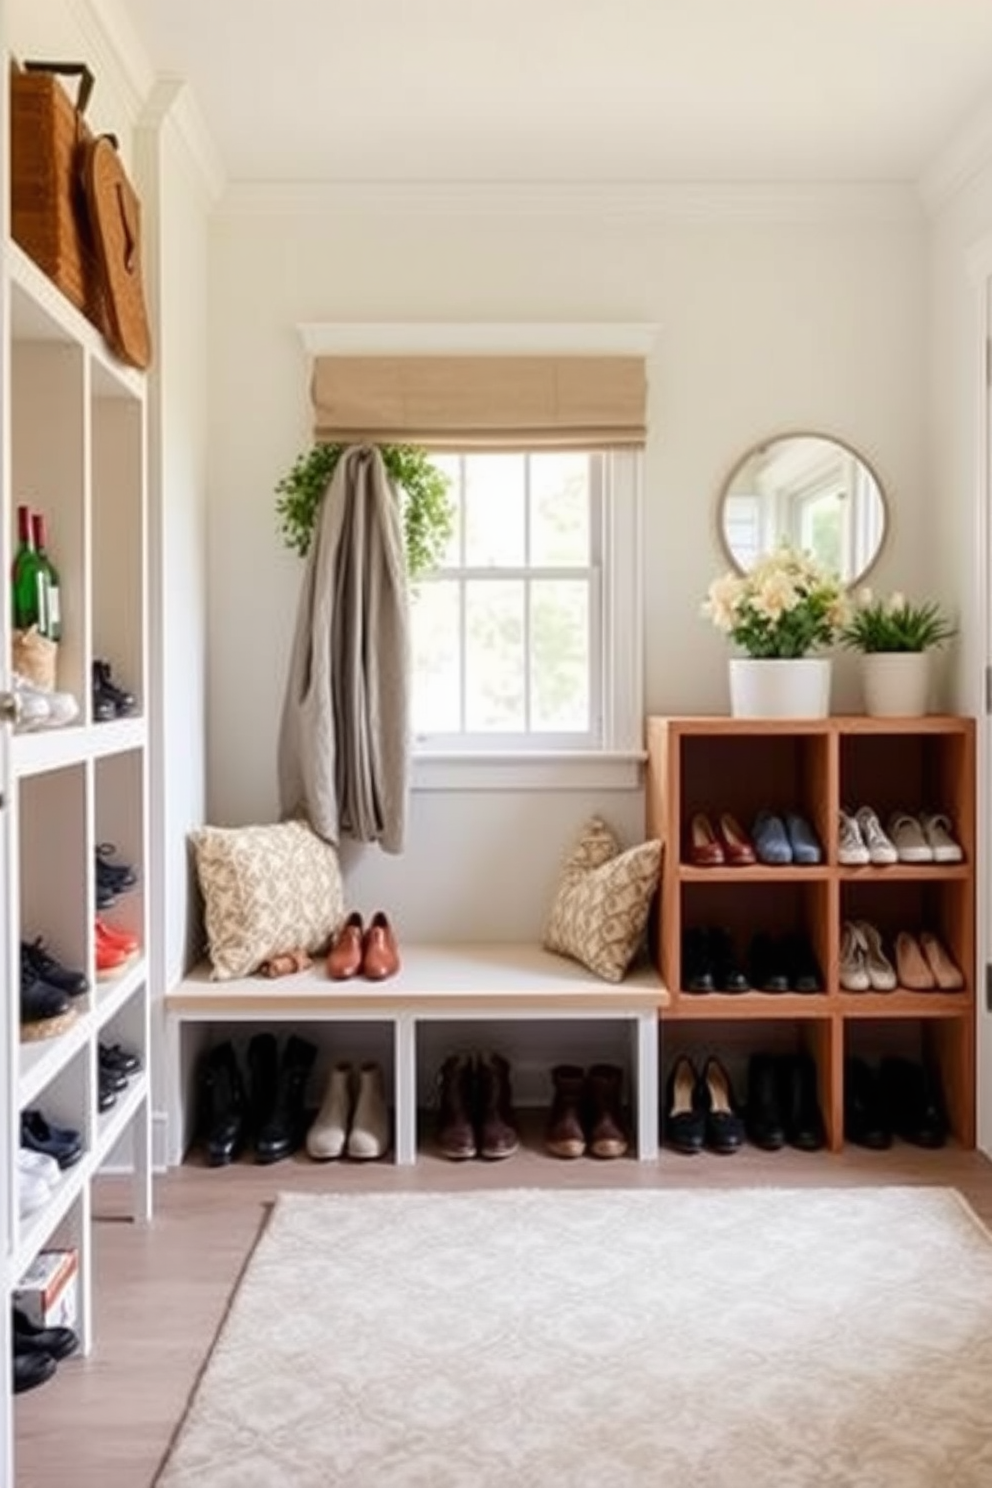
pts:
[576, 90]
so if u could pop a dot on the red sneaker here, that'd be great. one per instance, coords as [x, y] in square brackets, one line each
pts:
[122, 940]
[110, 959]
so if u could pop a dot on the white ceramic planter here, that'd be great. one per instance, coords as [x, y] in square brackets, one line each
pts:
[778, 688]
[896, 684]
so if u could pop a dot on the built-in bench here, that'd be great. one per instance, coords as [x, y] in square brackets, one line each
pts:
[436, 984]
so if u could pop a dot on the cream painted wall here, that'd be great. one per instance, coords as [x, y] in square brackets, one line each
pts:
[764, 325]
[961, 538]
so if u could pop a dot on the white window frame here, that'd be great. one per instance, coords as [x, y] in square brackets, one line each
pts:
[617, 763]
[613, 761]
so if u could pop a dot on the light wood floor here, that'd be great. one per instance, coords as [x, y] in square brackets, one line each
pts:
[161, 1291]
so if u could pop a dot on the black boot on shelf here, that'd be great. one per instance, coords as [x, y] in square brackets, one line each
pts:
[765, 1119]
[866, 1121]
[804, 1125]
[110, 700]
[283, 1128]
[913, 1101]
[31, 1368]
[29, 1338]
[223, 1117]
[44, 965]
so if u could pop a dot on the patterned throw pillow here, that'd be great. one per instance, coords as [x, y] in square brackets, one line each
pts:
[267, 890]
[603, 900]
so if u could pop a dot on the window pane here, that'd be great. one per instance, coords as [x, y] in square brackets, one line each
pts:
[559, 683]
[494, 655]
[435, 646]
[559, 510]
[494, 510]
[450, 465]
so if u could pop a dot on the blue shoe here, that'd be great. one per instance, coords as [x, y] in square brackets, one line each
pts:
[771, 841]
[805, 847]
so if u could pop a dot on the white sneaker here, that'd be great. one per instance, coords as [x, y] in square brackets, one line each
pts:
[907, 834]
[881, 850]
[38, 1165]
[369, 1135]
[33, 1193]
[853, 959]
[937, 831]
[851, 850]
[42, 709]
[326, 1137]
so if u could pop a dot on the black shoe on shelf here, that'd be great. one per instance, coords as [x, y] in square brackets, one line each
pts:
[223, 1106]
[800, 963]
[767, 966]
[61, 1142]
[117, 877]
[58, 1342]
[804, 1125]
[112, 1076]
[31, 1368]
[106, 1092]
[697, 962]
[107, 695]
[40, 1001]
[724, 1124]
[728, 974]
[46, 967]
[117, 1057]
[765, 1119]
[684, 1120]
[284, 1127]
[913, 1101]
[866, 1122]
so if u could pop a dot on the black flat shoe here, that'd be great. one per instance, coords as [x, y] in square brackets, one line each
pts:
[724, 1126]
[728, 974]
[767, 967]
[684, 1121]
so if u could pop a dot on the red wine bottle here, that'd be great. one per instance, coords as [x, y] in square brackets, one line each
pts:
[27, 579]
[53, 607]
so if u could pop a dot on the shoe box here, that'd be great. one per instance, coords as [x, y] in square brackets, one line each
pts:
[48, 1292]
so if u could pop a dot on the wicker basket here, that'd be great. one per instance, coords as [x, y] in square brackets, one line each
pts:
[49, 141]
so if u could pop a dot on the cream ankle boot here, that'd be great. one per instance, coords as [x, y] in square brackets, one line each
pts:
[369, 1135]
[326, 1137]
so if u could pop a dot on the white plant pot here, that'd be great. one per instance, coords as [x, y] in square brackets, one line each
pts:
[762, 688]
[896, 684]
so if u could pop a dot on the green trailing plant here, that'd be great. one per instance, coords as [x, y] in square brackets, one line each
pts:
[426, 508]
[895, 624]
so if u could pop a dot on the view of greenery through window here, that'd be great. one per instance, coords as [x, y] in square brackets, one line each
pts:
[502, 631]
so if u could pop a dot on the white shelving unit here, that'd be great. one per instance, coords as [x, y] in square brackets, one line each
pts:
[74, 446]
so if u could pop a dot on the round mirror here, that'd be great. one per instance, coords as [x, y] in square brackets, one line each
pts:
[811, 491]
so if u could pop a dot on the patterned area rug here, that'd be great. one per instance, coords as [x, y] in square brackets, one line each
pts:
[761, 1338]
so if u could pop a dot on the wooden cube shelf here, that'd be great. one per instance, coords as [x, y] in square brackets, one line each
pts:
[816, 767]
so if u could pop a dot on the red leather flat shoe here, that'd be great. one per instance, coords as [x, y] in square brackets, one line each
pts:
[738, 848]
[704, 847]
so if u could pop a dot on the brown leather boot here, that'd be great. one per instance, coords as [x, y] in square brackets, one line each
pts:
[565, 1136]
[496, 1128]
[605, 1121]
[456, 1119]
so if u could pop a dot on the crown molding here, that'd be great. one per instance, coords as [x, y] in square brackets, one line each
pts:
[115, 49]
[172, 102]
[483, 338]
[686, 202]
[968, 152]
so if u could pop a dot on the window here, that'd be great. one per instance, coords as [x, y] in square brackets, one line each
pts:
[526, 640]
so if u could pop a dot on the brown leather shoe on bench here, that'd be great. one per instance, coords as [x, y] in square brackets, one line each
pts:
[380, 956]
[344, 959]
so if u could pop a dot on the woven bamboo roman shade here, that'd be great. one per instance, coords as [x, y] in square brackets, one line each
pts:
[484, 402]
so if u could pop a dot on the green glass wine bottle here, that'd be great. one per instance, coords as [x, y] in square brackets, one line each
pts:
[27, 579]
[52, 600]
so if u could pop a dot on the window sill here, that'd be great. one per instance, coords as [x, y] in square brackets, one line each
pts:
[558, 770]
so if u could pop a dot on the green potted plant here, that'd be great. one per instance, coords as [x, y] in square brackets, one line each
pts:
[427, 512]
[896, 637]
[779, 612]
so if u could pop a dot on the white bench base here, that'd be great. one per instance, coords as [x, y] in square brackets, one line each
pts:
[436, 984]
